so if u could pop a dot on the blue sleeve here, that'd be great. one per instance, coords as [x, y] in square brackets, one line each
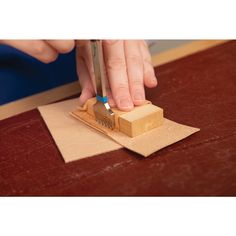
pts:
[22, 75]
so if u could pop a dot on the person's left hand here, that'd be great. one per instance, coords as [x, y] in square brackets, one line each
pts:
[128, 67]
[45, 51]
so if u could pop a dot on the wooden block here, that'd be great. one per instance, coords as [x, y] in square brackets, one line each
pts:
[138, 121]
[141, 120]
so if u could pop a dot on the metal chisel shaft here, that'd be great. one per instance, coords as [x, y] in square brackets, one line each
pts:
[99, 69]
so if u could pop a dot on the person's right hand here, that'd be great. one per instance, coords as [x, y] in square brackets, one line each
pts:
[44, 50]
[128, 67]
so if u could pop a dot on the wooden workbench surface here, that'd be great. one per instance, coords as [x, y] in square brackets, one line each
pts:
[199, 90]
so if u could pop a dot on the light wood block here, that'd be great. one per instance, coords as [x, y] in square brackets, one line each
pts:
[141, 120]
[133, 123]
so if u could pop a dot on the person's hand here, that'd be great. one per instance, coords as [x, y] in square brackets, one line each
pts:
[128, 67]
[44, 50]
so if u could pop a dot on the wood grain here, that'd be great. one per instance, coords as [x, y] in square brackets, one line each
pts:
[141, 120]
[184, 50]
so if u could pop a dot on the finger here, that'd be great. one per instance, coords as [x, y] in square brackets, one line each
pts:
[134, 63]
[62, 46]
[150, 79]
[110, 98]
[84, 50]
[114, 55]
[84, 77]
[81, 42]
[35, 48]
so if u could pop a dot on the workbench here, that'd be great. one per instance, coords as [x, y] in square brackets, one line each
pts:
[198, 90]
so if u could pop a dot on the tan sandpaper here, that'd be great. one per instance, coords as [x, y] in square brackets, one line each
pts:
[145, 144]
[76, 140]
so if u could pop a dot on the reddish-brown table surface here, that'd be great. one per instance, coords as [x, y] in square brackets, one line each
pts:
[199, 90]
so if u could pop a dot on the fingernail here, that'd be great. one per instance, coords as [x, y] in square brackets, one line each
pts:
[125, 103]
[153, 80]
[138, 96]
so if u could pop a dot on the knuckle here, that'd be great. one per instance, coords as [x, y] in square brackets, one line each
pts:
[116, 63]
[135, 60]
[122, 90]
[110, 42]
[122, 86]
[137, 83]
[39, 48]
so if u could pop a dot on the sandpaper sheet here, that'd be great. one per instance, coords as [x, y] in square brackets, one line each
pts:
[77, 140]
